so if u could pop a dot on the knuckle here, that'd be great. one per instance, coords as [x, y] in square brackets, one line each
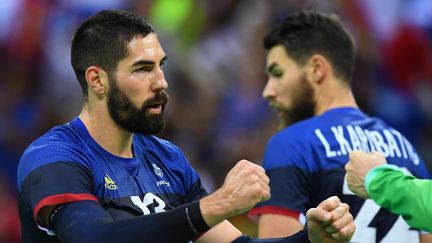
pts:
[344, 231]
[249, 168]
[350, 217]
[256, 188]
[345, 206]
[336, 225]
[253, 178]
[245, 162]
[348, 167]
[242, 163]
[309, 213]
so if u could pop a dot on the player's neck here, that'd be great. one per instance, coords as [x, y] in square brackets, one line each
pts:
[106, 132]
[333, 96]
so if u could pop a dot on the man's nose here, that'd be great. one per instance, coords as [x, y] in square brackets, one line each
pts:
[268, 91]
[160, 83]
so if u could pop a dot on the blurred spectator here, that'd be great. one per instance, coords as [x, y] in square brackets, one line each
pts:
[10, 230]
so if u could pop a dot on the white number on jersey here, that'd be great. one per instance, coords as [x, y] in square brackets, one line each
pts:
[399, 232]
[148, 200]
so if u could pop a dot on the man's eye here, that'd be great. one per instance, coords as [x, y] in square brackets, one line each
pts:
[276, 73]
[163, 65]
[143, 69]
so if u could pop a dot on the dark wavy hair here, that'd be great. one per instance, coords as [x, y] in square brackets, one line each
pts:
[102, 41]
[306, 33]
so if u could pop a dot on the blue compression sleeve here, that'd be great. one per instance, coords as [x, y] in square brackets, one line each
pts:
[87, 221]
[300, 237]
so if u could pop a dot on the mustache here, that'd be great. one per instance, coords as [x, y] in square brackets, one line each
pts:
[275, 106]
[160, 98]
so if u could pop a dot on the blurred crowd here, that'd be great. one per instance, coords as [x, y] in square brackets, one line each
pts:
[215, 73]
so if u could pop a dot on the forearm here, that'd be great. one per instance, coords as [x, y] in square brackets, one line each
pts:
[88, 222]
[402, 194]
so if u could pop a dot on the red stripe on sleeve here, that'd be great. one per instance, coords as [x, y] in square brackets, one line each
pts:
[61, 198]
[273, 210]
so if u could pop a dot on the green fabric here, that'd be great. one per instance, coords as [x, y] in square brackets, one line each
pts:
[402, 194]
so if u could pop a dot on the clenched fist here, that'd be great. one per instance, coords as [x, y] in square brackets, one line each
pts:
[359, 164]
[244, 186]
[330, 222]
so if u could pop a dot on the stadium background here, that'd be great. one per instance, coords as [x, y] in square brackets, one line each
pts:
[215, 72]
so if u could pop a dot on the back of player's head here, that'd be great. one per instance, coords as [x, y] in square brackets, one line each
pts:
[102, 41]
[304, 34]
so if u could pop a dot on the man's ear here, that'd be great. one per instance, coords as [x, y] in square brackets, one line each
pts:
[97, 80]
[317, 68]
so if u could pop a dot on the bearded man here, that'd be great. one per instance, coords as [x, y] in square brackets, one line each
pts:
[310, 60]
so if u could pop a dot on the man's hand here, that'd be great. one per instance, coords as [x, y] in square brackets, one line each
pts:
[330, 222]
[245, 185]
[358, 166]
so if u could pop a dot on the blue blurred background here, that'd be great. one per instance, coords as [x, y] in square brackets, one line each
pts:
[215, 72]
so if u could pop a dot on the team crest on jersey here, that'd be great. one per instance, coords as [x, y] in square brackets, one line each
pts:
[157, 170]
[109, 183]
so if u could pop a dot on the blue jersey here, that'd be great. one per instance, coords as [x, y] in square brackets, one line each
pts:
[67, 165]
[305, 163]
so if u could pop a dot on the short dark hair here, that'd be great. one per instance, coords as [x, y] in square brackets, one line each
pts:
[102, 41]
[306, 33]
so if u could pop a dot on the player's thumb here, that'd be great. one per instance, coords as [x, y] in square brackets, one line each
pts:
[330, 203]
[318, 215]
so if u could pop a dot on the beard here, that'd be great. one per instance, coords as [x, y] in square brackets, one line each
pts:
[135, 119]
[303, 104]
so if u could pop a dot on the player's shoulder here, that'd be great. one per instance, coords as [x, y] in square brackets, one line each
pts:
[290, 147]
[60, 143]
[57, 139]
[162, 148]
[166, 151]
[155, 143]
[298, 132]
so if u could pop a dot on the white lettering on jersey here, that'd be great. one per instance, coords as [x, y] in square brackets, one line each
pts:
[343, 143]
[370, 139]
[328, 150]
[355, 140]
[149, 199]
[392, 145]
[388, 142]
[413, 156]
[363, 138]
[378, 140]
[401, 142]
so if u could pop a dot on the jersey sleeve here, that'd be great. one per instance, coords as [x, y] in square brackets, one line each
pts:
[289, 180]
[52, 175]
[194, 189]
[186, 177]
[402, 194]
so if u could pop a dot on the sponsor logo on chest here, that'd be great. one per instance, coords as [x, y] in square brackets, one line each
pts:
[159, 173]
[109, 183]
